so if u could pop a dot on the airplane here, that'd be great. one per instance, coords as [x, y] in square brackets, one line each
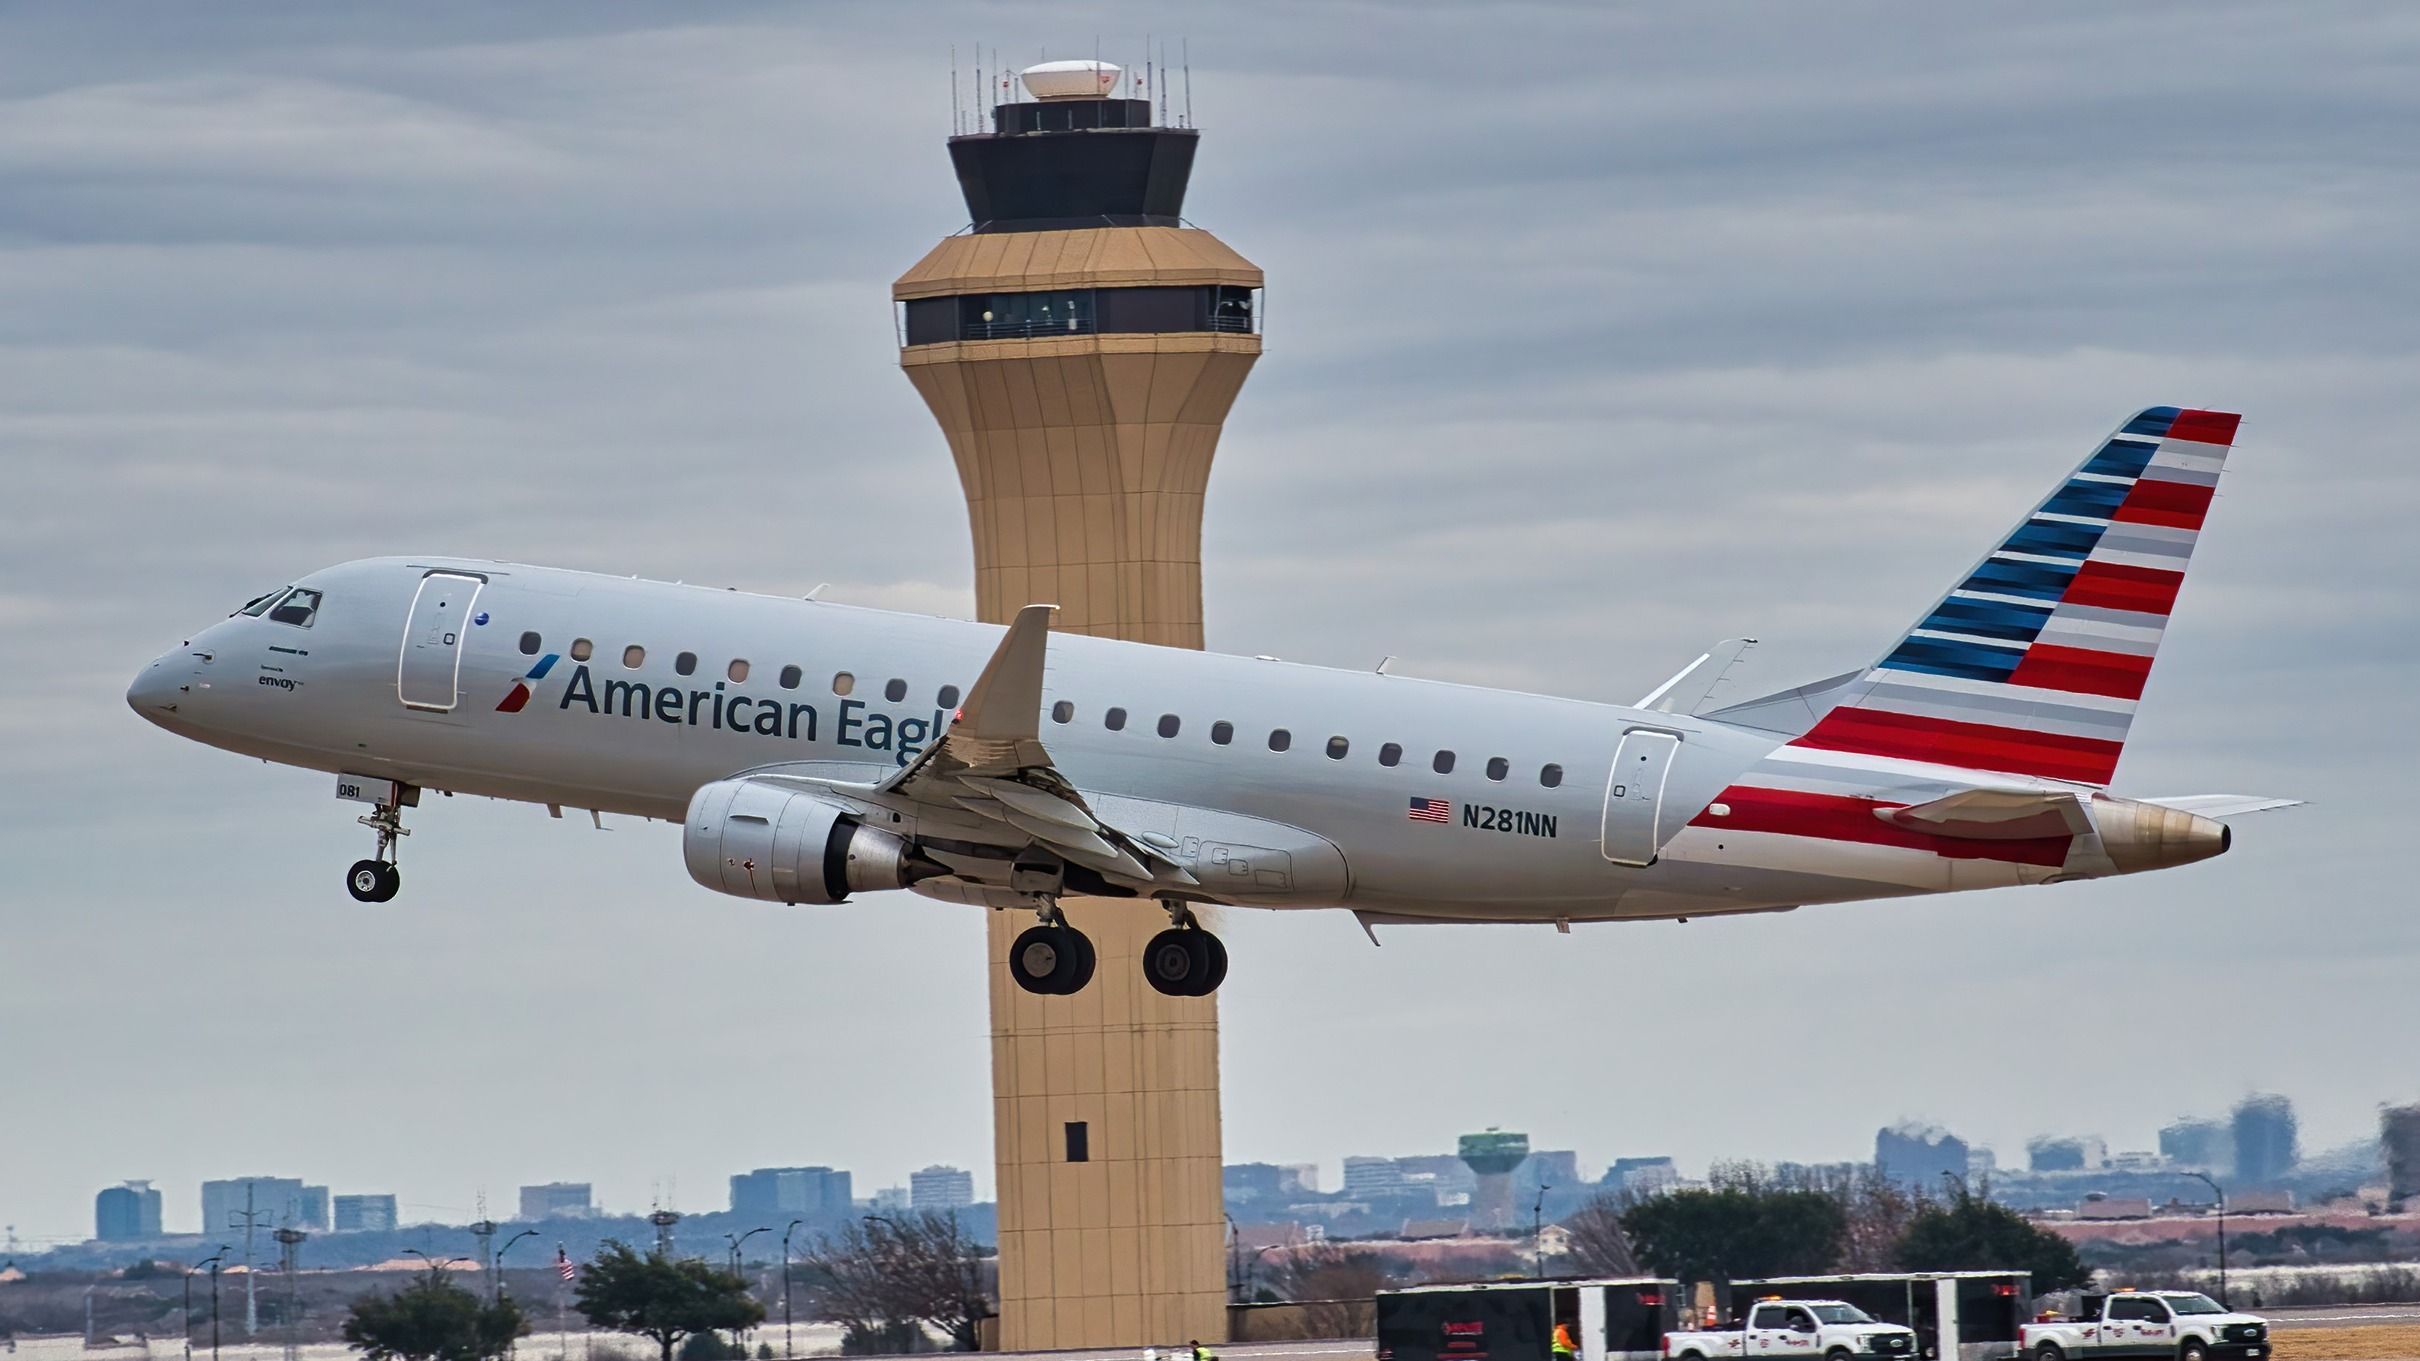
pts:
[813, 750]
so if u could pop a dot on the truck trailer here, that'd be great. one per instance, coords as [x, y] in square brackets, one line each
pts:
[1957, 1315]
[1611, 1319]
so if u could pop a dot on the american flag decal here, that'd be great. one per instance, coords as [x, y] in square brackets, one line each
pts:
[1432, 810]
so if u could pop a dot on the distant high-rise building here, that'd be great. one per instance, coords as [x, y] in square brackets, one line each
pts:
[126, 1214]
[2050, 1153]
[941, 1188]
[1372, 1178]
[1981, 1163]
[2266, 1145]
[2399, 1139]
[1641, 1176]
[1919, 1155]
[891, 1198]
[276, 1202]
[1558, 1168]
[364, 1214]
[559, 1200]
[2204, 1145]
[807, 1192]
[1269, 1183]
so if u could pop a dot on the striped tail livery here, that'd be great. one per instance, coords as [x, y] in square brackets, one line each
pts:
[2033, 663]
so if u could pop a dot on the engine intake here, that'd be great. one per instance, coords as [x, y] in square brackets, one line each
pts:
[759, 840]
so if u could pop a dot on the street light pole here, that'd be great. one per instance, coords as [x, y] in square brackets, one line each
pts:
[223, 1250]
[2221, 1193]
[787, 1350]
[188, 1314]
[496, 1288]
[739, 1241]
[1537, 1233]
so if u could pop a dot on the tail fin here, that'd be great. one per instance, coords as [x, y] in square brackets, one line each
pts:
[2033, 663]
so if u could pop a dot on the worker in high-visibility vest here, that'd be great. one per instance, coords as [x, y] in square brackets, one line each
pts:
[1564, 1348]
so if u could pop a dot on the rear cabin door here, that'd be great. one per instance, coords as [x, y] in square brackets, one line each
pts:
[1634, 796]
[427, 676]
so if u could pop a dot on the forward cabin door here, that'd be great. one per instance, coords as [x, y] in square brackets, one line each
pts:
[1634, 797]
[427, 677]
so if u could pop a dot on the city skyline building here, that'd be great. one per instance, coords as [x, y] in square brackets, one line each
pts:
[125, 1213]
[363, 1214]
[275, 1203]
[2206, 1145]
[1919, 1156]
[1080, 345]
[559, 1200]
[2267, 1138]
[807, 1192]
[941, 1188]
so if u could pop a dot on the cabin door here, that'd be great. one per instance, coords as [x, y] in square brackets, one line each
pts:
[428, 675]
[1634, 796]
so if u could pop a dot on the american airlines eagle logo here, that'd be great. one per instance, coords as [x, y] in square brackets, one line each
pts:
[526, 686]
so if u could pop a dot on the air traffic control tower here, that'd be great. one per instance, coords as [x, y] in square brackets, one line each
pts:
[1080, 347]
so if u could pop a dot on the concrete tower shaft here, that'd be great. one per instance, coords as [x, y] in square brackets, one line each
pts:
[1080, 348]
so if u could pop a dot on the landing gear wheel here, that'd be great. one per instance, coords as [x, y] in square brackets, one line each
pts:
[1184, 962]
[1052, 961]
[373, 881]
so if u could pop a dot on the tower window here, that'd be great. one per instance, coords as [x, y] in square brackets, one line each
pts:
[1079, 1141]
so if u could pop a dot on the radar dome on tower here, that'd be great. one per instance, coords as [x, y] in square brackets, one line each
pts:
[1070, 79]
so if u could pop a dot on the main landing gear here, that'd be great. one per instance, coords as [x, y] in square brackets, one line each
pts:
[376, 880]
[1055, 959]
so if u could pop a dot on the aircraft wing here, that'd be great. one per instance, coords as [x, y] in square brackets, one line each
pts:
[991, 763]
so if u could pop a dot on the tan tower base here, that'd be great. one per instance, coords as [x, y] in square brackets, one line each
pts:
[1084, 457]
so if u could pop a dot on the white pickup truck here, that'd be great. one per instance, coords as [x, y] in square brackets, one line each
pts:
[1797, 1330]
[2170, 1325]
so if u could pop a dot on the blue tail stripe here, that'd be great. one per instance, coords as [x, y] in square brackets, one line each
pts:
[2054, 539]
[1987, 619]
[2095, 499]
[1948, 657]
[2122, 458]
[2153, 421]
[2033, 580]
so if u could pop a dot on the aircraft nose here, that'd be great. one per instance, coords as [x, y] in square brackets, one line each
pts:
[157, 688]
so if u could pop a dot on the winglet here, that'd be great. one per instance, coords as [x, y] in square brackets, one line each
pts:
[1005, 704]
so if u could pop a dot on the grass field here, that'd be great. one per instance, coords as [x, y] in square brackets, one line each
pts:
[2368, 1342]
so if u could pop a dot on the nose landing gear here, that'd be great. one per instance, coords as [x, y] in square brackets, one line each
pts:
[377, 880]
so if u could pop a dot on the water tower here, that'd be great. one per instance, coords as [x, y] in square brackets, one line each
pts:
[1080, 346]
[1492, 1158]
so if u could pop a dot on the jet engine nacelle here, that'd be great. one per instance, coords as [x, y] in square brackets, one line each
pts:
[760, 840]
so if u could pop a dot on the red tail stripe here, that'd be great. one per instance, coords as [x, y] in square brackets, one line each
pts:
[2113, 586]
[1841, 817]
[2178, 505]
[1969, 746]
[2204, 427]
[2081, 671]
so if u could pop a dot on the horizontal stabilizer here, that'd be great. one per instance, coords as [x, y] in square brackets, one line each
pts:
[1995, 815]
[1688, 691]
[2222, 805]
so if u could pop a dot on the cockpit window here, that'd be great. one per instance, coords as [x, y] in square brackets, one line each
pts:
[299, 608]
[259, 605]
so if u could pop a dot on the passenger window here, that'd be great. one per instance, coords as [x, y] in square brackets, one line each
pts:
[635, 657]
[1063, 712]
[1498, 767]
[1222, 732]
[948, 698]
[791, 676]
[1551, 776]
[1114, 720]
[895, 691]
[737, 671]
[1390, 754]
[1337, 747]
[298, 608]
[530, 644]
[1168, 725]
[582, 649]
[1280, 739]
[1444, 764]
[685, 664]
[259, 604]
[843, 683]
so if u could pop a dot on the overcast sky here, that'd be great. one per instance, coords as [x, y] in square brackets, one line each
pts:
[1595, 334]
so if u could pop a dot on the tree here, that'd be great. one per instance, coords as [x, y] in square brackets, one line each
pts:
[1598, 1245]
[661, 1297]
[433, 1320]
[883, 1270]
[1876, 1212]
[1975, 1233]
[1743, 1225]
[1337, 1285]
